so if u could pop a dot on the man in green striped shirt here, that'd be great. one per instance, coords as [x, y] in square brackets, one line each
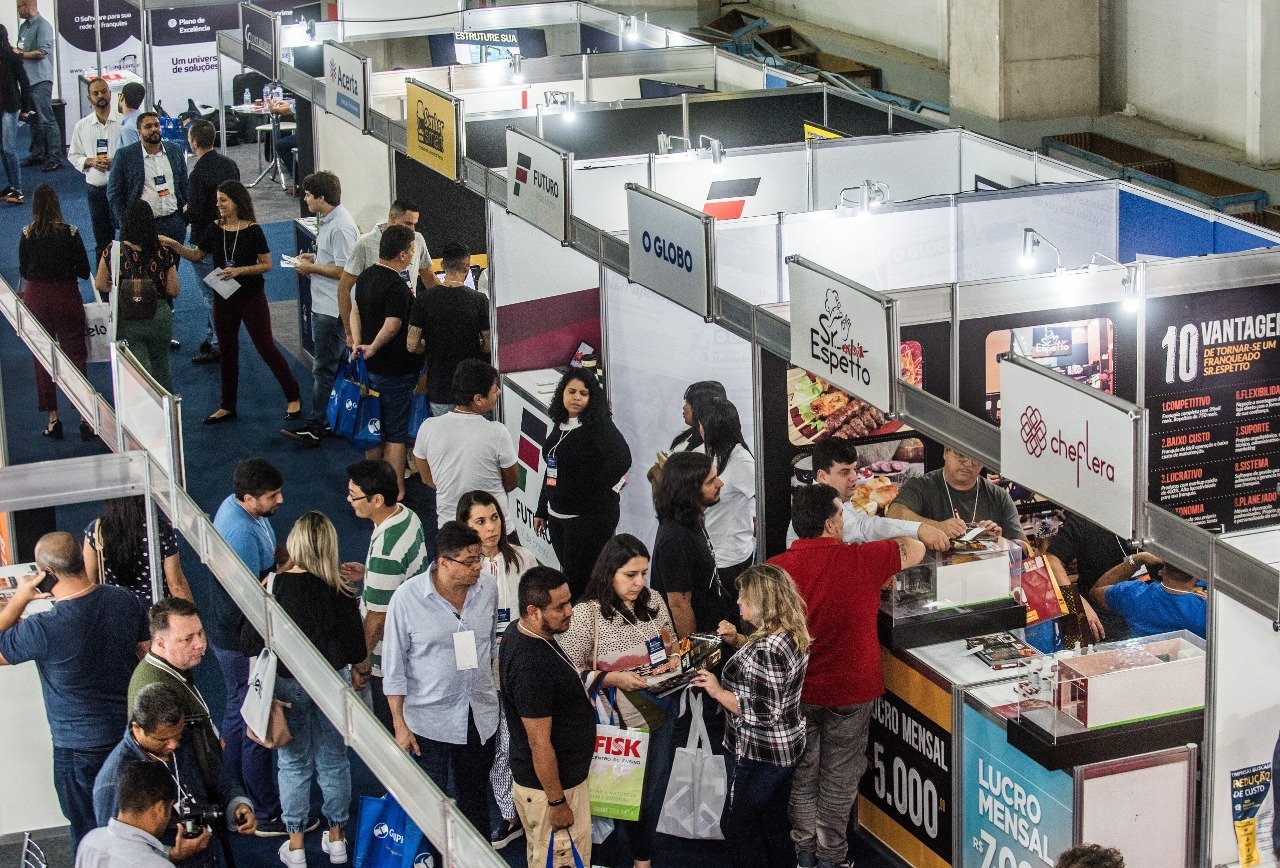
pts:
[397, 552]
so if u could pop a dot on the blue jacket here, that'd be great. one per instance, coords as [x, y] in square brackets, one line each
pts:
[124, 184]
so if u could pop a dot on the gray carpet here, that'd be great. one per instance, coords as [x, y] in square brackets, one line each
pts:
[270, 204]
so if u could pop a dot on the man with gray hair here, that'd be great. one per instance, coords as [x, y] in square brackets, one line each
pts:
[85, 649]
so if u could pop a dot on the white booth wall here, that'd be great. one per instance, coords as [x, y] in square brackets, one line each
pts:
[780, 170]
[596, 186]
[361, 162]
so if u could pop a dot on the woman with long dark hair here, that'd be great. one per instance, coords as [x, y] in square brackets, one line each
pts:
[52, 260]
[731, 521]
[149, 277]
[116, 550]
[14, 97]
[586, 459]
[620, 635]
[506, 562]
[695, 398]
[239, 249]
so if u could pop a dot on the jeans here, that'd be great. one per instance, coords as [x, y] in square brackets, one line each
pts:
[285, 146]
[470, 764]
[203, 269]
[754, 822]
[381, 708]
[9, 149]
[657, 774]
[396, 394]
[44, 129]
[103, 221]
[578, 541]
[827, 776]
[327, 336]
[317, 752]
[500, 774]
[57, 306]
[74, 770]
[246, 761]
[172, 225]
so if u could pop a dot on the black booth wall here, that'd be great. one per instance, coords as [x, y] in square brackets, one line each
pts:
[450, 212]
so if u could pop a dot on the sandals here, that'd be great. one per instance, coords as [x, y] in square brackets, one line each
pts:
[12, 195]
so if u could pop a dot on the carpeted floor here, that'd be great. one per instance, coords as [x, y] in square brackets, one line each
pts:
[314, 478]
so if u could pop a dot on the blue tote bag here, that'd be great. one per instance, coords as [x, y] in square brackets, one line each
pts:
[387, 837]
[354, 409]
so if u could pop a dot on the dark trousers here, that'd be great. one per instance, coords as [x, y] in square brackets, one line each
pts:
[470, 764]
[249, 308]
[57, 306]
[381, 708]
[657, 774]
[104, 222]
[74, 771]
[578, 541]
[754, 823]
[45, 142]
[246, 760]
[173, 226]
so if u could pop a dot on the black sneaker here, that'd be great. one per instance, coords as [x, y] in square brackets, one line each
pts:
[271, 828]
[33, 161]
[506, 832]
[208, 355]
[174, 345]
[306, 436]
[52, 165]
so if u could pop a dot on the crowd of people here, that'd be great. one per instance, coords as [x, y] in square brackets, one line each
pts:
[489, 669]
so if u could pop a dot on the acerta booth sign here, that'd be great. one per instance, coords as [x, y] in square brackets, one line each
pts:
[346, 85]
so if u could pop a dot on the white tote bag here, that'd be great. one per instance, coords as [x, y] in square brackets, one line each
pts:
[100, 316]
[699, 782]
[256, 708]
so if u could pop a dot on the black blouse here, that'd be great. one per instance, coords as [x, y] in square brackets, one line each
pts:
[326, 616]
[58, 254]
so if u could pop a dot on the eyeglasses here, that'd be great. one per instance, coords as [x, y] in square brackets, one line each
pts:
[353, 498]
[469, 563]
[965, 459]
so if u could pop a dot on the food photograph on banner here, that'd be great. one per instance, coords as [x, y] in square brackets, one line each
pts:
[120, 26]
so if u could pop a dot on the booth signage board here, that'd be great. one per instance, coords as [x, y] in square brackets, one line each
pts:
[671, 249]
[1212, 389]
[528, 424]
[346, 91]
[80, 24]
[817, 131]
[844, 333]
[261, 40]
[1016, 812]
[905, 797]
[1073, 444]
[434, 128]
[538, 185]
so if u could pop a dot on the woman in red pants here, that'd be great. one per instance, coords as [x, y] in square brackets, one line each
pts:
[51, 256]
[239, 249]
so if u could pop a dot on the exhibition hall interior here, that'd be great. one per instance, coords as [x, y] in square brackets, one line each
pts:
[782, 434]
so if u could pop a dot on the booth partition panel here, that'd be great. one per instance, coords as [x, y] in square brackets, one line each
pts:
[854, 117]
[609, 133]
[741, 185]
[450, 211]
[747, 261]
[986, 164]
[1151, 225]
[910, 166]
[487, 138]
[766, 120]
[362, 163]
[598, 192]
[733, 73]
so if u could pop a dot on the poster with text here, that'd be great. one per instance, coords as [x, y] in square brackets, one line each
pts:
[1213, 386]
[185, 54]
[77, 52]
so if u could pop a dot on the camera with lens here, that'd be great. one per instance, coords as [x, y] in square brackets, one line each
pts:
[194, 817]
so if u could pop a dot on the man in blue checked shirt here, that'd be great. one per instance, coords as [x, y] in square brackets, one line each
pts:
[35, 47]
[437, 669]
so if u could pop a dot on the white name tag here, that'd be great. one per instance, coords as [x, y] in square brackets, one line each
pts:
[464, 650]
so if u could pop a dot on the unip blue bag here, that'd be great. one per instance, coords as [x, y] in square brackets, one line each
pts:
[355, 409]
[387, 837]
[335, 397]
[419, 411]
[573, 849]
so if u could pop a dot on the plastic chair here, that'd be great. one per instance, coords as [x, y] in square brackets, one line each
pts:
[32, 855]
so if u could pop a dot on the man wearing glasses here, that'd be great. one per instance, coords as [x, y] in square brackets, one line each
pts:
[956, 497]
[437, 669]
[396, 552]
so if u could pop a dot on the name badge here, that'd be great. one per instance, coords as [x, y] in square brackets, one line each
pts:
[404, 275]
[102, 146]
[162, 185]
[550, 481]
[464, 650]
[657, 651]
[504, 618]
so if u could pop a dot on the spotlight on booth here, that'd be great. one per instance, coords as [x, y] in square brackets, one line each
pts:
[717, 151]
[1031, 241]
[867, 196]
[1133, 287]
[665, 141]
[517, 74]
[562, 98]
[631, 29]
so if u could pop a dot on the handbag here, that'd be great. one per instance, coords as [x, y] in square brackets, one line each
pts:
[387, 837]
[616, 778]
[135, 297]
[551, 851]
[98, 331]
[695, 795]
[263, 714]
[419, 406]
[355, 409]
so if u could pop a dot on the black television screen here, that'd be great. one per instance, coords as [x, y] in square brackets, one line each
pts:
[653, 89]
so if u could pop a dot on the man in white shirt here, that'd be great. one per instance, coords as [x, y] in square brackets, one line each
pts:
[132, 839]
[835, 463]
[335, 238]
[93, 145]
[463, 451]
[403, 213]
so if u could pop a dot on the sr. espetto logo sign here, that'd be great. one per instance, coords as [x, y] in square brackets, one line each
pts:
[830, 344]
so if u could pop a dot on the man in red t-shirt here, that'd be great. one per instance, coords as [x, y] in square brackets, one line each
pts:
[840, 583]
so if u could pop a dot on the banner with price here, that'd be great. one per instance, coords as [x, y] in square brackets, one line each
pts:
[905, 796]
[1017, 813]
[1213, 385]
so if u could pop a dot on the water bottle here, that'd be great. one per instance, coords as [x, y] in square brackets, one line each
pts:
[266, 93]
[248, 98]
[277, 93]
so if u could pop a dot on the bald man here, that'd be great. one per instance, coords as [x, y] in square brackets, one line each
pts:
[85, 650]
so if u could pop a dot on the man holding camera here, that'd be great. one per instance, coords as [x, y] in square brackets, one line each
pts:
[130, 840]
[85, 649]
[156, 735]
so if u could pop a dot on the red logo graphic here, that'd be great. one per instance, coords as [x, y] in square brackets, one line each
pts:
[1035, 434]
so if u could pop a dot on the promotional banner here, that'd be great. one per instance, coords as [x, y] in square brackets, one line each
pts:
[261, 40]
[528, 425]
[185, 54]
[538, 183]
[1076, 445]
[817, 131]
[672, 249]
[1249, 788]
[346, 92]
[434, 128]
[77, 53]
[844, 333]
[905, 797]
[1016, 812]
[1213, 385]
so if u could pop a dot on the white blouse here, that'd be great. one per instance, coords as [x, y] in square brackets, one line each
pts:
[731, 522]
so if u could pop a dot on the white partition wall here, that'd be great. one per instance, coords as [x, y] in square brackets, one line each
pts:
[655, 349]
[733, 73]
[361, 162]
[528, 264]
[986, 164]
[764, 181]
[747, 261]
[597, 190]
[371, 17]
[911, 165]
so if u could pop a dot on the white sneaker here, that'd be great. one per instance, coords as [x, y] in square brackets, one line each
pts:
[337, 850]
[292, 857]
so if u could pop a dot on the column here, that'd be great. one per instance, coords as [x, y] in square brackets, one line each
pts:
[1262, 82]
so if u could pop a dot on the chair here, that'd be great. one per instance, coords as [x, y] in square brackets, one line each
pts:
[32, 855]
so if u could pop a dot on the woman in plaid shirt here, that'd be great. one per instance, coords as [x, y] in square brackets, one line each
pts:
[760, 691]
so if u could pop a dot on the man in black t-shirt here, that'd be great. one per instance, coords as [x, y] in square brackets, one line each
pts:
[1093, 550]
[379, 320]
[450, 323]
[552, 723]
